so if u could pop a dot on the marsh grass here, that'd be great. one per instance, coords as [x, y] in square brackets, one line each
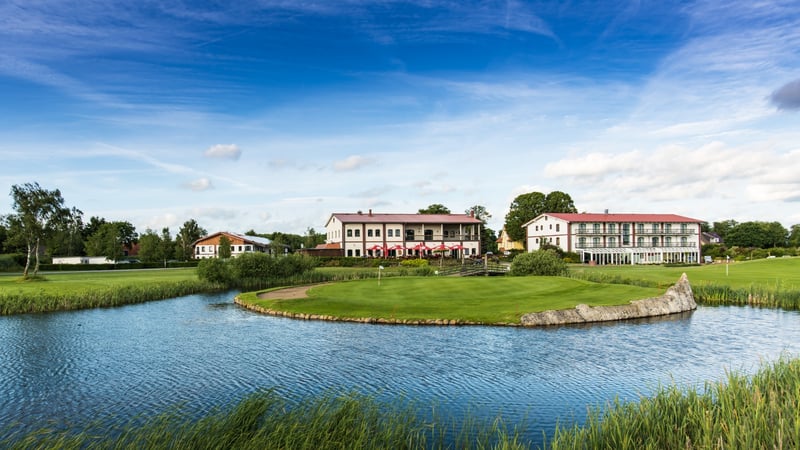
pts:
[265, 420]
[757, 412]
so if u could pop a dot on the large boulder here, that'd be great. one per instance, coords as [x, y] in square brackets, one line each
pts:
[678, 298]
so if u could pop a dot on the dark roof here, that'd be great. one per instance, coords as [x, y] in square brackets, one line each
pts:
[625, 217]
[405, 218]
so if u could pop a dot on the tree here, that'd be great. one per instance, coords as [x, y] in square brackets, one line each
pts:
[435, 208]
[488, 236]
[167, 245]
[68, 239]
[111, 239]
[794, 236]
[187, 234]
[150, 247]
[312, 238]
[528, 206]
[39, 214]
[524, 208]
[722, 228]
[756, 234]
[224, 247]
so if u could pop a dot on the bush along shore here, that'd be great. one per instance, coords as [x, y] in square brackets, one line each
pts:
[48, 300]
[758, 411]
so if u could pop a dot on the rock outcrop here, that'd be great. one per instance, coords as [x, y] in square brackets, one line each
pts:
[678, 298]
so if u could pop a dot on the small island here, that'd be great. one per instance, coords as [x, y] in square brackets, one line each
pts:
[511, 301]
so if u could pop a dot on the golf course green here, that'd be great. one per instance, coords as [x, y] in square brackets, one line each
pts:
[484, 300]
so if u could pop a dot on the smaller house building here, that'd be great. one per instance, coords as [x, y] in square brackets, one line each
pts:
[82, 260]
[504, 243]
[208, 246]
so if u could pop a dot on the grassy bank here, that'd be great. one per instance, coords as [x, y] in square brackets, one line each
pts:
[265, 420]
[68, 291]
[759, 411]
[472, 299]
[769, 282]
[762, 411]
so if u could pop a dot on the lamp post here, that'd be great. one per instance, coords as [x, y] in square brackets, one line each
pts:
[379, 274]
[727, 263]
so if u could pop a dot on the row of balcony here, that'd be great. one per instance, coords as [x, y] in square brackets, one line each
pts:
[637, 232]
[675, 245]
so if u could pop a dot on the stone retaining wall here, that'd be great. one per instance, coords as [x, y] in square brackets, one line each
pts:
[678, 298]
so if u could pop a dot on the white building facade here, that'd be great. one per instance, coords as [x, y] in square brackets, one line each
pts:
[404, 235]
[619, 238]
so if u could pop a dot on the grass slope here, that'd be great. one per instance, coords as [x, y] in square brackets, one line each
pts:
[474, 299]
[767, 273]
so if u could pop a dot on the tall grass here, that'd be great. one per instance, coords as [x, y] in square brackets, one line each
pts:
[758, 412]
[265, 420]
[46, 300]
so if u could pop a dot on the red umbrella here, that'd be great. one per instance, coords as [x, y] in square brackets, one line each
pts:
[376, 247]
[441, 247]
[456, 247]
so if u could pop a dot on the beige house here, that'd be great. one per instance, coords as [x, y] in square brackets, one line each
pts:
[504, 243]
[404, 235]
[208, 246]
[619, 238]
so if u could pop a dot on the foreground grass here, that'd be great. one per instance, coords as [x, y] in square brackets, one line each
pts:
[473, 299]
[757, 412]
[79, 290]
[773, 283]
[265, 420]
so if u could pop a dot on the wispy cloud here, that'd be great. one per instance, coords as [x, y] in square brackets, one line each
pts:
[350, 163]
[198, 185]
[224, 151]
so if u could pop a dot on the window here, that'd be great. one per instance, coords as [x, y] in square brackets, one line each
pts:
[349, 233]
[684, 228]
[358, 252]
[668, 228]
[397, 232]
[358, 233]
[626, 234]
[389, 232]
[240, 248]
[668, 241]
[409, 235]
[428, 235]
[349, 252]
[640, 242]
[378, 233]
[582, 242]
[537, 240]
[612, 228]
[684, 242]
[596, 228]
[558, 227]
[640, 228]
[612, 242]
[655, 228]
[596, 242]
[655, 242]
[582, 228]
[248, 248]
[369, 232]
[558, 239]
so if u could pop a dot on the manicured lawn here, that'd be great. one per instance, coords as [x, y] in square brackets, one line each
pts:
[768, 273]
[67, 282]
[474, 299]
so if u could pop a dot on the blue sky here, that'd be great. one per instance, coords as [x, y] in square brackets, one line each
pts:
[271, 115]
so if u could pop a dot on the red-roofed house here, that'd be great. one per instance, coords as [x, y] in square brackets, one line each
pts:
[368, 234]
[619, 238]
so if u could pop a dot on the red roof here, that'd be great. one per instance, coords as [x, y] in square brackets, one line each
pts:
[599, 217]
[405, 218]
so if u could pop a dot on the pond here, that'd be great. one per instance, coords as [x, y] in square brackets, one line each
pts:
[203, 351]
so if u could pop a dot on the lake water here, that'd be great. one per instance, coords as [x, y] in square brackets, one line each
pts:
[202, 351]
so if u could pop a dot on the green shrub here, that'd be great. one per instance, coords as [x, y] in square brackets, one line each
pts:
[215, 271]
[419, 262]
[540, 262]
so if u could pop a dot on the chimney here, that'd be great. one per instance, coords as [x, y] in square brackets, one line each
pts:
[472, 213]
[606, 211]
[370, 212]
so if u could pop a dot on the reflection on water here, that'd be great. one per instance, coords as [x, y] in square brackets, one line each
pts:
[202, 351]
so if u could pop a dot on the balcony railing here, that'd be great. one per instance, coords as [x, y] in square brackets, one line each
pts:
[677, 232]
[677, 245]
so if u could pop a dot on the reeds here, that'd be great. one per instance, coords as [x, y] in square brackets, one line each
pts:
[762, 411]
[46, 300]
[754, 295]
[264, 420]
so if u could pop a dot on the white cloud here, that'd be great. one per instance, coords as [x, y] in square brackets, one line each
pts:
[225, 151]
[200, 184]
[352, 162]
